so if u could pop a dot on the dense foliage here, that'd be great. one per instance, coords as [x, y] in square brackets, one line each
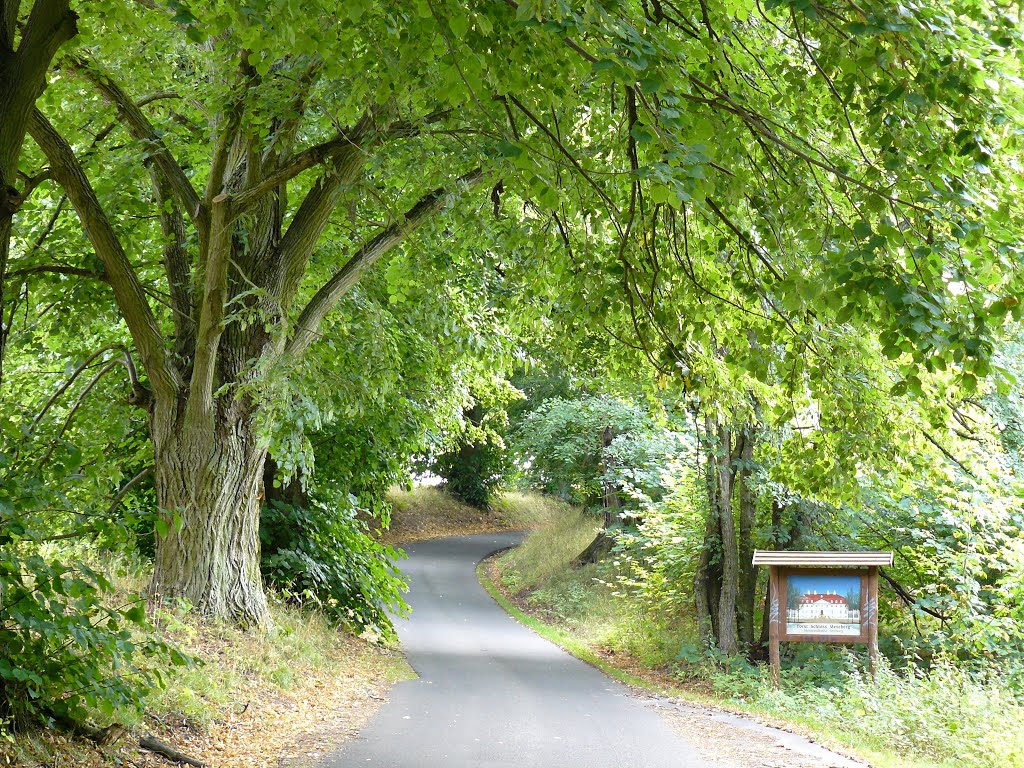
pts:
[561, 446]
[73, 644]
[322, 555]
[325, 234]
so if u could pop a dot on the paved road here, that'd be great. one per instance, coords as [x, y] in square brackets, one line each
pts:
[491, 693]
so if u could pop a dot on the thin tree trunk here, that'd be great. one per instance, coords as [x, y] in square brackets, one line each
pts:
[702, 579]
[275, 488]
[704, 590]
[612, 503]
[6, 220]
[747, 571]
[209, 483]
[726, 632]
[776, 538]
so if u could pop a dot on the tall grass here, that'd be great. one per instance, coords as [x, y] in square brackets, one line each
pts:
[945, 714]
[530, 510]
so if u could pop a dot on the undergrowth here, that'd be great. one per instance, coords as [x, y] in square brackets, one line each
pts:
[232, 661]
[232, 673]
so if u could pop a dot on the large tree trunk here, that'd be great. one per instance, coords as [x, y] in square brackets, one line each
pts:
[210, 479]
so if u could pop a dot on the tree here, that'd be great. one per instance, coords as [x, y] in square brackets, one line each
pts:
[234, 256]
[680, 157]
[25, 57]
[566, 448]
[475, 467]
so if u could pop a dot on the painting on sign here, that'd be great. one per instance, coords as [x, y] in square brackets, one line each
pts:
[823, 604]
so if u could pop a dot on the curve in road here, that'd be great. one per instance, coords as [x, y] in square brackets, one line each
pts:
[491, 693]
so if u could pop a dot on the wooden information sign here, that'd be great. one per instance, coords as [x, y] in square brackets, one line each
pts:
[822, 597]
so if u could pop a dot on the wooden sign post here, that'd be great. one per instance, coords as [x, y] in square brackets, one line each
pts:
[822, 597]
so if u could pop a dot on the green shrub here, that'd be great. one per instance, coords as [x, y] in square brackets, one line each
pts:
[66, 653]
[323, 556]
[72, 647]
[473, 472]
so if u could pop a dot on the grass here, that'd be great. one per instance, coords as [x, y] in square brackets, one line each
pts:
[428, 512]
[585, 601]
[235, 663]
[943, 718]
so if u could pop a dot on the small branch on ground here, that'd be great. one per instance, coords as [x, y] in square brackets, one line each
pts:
[152, 744]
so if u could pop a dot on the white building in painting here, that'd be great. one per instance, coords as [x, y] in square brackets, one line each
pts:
[822, 605]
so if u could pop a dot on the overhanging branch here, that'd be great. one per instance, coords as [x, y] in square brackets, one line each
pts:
[128, 291]
[369, 254]
[141, 129]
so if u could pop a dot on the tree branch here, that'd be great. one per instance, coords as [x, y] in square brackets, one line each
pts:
[227, 132]
[74, 409]
[128, 291]
[177, 265]
[141, 129]
[908, 598]
[352, 138]
[126, 488]
[369, 254]
[298, 163]
[211, 326]
[569, 156]
[58, 269]
[64, 387]
[50, 24]
[945, 452]
[309, 223]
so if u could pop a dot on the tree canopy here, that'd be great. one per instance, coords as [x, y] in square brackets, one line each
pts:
[321, 231]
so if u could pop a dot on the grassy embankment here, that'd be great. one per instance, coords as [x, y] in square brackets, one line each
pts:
[251, 699]
[946, 718]
[282, 699]
[428, 513]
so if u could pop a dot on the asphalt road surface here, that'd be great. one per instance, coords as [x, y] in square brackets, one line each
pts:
[491, 693]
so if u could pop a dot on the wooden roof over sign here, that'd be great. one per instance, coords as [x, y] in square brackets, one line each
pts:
[822, 559]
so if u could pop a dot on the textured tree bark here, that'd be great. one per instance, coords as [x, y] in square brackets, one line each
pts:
[49, 25]
[211, 480]
[208, 461]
